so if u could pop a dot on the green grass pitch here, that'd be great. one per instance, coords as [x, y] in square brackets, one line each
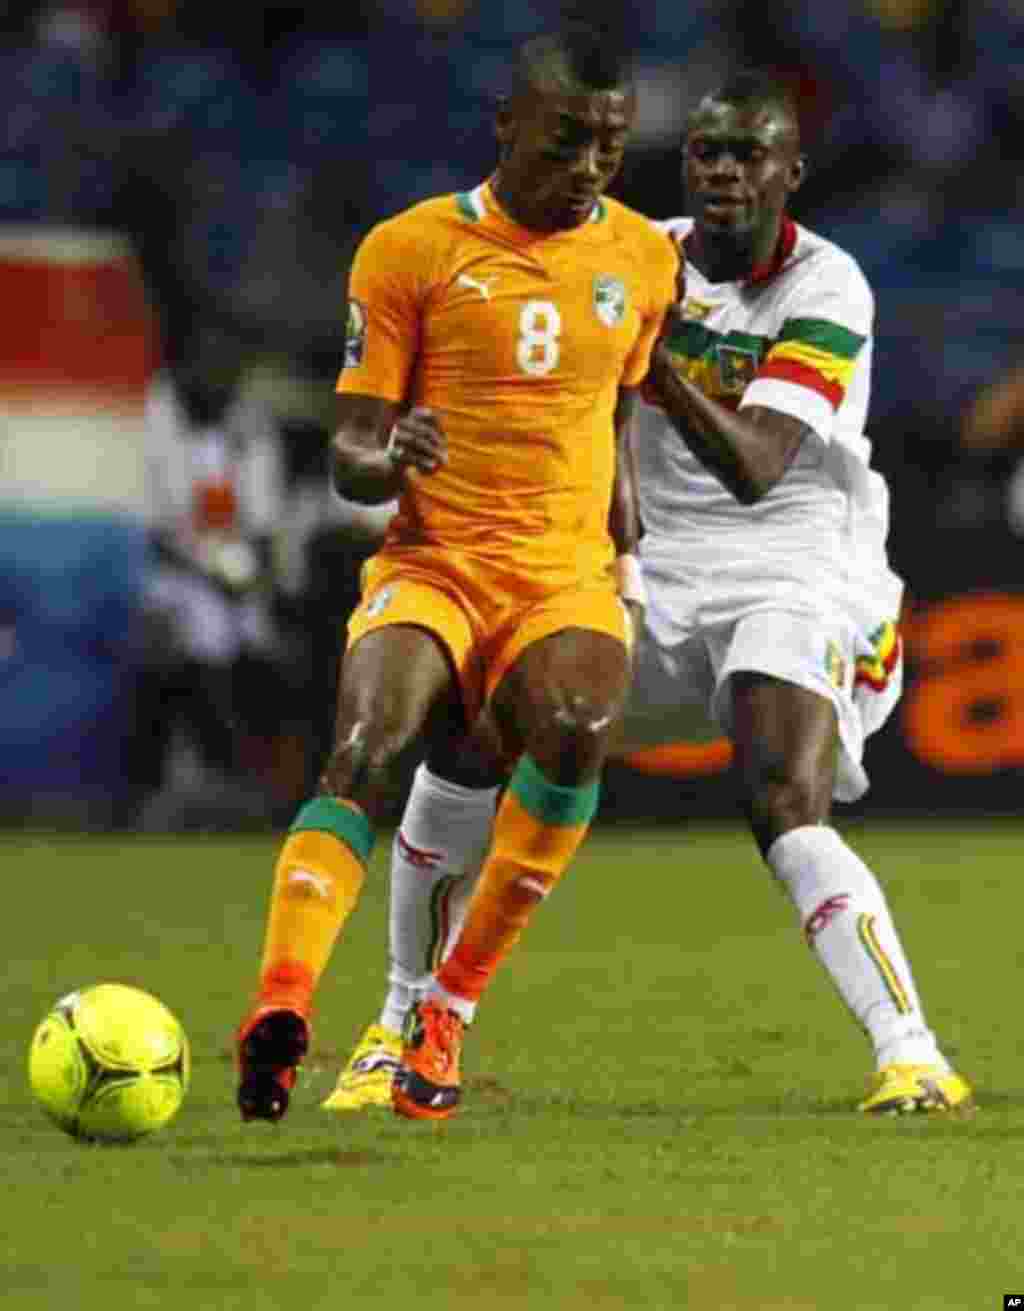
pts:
[658, 1109]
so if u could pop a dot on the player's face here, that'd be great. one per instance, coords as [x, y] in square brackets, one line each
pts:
[740, 165]
[560, 152]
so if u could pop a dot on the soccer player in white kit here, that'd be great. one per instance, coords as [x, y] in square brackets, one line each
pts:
[770, 601]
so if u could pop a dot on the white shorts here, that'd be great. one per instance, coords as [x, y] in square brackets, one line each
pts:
[697, 635]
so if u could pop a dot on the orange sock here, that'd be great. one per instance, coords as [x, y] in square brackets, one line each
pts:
[317, 881]
[537, 831]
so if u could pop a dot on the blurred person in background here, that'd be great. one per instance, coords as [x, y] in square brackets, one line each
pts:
[322, 544]
[992, 437]
[292, 280]
[215, 493]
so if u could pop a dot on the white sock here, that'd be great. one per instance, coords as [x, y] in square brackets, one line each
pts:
[436, 856]
[846, 921]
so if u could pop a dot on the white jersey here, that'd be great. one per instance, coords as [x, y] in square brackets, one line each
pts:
[795, 337]
[212, 493]
[242, 455]
[797, 587]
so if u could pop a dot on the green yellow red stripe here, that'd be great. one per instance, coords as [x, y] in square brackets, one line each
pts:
[833, 368]
[440, 919]
[868, 935]
[875, 670]
[823, 335]
[785, 369]
[817, 354]
[812, 353]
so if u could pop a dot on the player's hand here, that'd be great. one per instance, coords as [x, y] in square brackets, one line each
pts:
[636, 613]
[632, 591]
[418, 442]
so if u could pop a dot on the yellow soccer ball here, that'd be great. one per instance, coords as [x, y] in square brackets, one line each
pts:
[109, 1063]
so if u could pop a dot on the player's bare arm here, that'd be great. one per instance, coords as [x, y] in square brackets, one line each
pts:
[373, 446]
[624, 515]
[624, 523]
[741, 164]
[749, 450]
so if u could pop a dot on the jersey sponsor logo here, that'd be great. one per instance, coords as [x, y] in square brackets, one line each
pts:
[481, 285]
[355, 335]
[609, 300]
[377, 604]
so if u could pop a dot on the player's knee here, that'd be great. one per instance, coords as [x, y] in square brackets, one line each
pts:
[785, 795]
[574, 737]
[364, 757]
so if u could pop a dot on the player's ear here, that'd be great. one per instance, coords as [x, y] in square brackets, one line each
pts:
[797, 172]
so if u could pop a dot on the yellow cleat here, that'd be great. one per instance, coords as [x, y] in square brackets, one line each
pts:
[916, 1090]
[366, 1079]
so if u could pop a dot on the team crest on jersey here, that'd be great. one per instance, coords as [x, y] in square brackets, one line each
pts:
[355, 335]
[835, 665]
[609, 300]
[379, 603]
[736, 369]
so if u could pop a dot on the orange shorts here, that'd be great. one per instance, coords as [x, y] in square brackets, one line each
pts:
[483, 616]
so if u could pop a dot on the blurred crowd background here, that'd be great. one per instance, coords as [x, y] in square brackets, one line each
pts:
[173, 584]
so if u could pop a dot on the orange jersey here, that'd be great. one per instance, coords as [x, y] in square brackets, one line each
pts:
[519, 341]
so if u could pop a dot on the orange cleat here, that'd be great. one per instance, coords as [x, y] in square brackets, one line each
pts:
[427, 1083]
[272, 1042]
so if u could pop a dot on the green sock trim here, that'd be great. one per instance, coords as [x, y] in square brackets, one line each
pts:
[346, 824]
[549, 803]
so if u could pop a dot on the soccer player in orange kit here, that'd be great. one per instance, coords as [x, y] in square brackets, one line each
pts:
[495, 342]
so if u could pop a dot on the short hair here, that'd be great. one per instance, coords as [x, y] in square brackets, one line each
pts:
[751, 86]
[583, 55]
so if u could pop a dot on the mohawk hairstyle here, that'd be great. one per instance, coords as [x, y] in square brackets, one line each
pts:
[753, 86]
[585, 53]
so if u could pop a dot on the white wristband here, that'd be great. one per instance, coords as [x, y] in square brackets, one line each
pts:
[629, 580]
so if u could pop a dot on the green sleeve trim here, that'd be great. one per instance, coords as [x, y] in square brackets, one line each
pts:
[690, 339]
[747, 341]
[695, 341]
[464, 204]
[824, 335]
[550, 804]
[326, 815]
